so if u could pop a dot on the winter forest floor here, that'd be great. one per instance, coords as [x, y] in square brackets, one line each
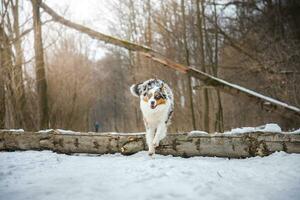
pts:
[46, 175]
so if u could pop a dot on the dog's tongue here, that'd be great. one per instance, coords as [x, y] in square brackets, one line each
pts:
[152, 107]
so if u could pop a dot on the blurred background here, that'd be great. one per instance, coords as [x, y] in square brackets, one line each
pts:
[254, 43]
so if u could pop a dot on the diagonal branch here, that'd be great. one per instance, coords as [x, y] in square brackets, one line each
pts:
[94, 34]
[225, 86]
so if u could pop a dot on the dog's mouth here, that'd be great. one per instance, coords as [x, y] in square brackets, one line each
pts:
[153, 106]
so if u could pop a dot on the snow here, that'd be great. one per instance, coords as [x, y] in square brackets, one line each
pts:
[14, 130]
[275, 128]
[295, 131]
[62, 131]
[271, 128]
[45, 131]
[197, 133]
[46, 175]
[135, 133]
[253, 93]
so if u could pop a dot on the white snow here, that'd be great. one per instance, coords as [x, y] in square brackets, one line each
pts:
[253, 93]
[14, 130]
[264, 128]
[50, 176]
[45, 131]
[295, 131]
[197, 133]
[118, 133]
[66, 131]
[271, 128]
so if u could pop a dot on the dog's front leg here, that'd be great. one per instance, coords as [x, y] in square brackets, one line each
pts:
[149, 139]
[160, 134]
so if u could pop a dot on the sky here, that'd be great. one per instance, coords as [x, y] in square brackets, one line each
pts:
[95, 14]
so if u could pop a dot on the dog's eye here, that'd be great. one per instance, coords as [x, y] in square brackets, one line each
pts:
[157, 97]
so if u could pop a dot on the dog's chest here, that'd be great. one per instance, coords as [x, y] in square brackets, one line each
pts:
[156, 115]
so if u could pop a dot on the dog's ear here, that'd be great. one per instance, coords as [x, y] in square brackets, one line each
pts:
[135, 89]
[162, 86]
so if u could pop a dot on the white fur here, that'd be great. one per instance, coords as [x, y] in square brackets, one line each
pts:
[156, 120]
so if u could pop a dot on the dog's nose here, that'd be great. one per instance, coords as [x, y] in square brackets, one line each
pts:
[152, 103]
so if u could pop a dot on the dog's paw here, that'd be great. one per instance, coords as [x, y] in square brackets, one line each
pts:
[155, 143]
[151, 150]
[150, 153]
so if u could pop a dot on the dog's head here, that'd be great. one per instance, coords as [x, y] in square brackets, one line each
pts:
[151, 91]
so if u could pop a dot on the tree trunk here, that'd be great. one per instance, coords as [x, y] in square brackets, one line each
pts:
[219, 124]
[148, 34]
[10, 102]
[26, 122]
[40, 66]
[187, 62]
[2, 77]
[184, 145]
[200, 15]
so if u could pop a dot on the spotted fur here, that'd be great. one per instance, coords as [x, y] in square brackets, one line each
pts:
[157, 105]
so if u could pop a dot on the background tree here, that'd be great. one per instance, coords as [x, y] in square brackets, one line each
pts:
[41, 80]
[252, 43]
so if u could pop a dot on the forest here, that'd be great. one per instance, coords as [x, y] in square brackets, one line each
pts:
[54, 77]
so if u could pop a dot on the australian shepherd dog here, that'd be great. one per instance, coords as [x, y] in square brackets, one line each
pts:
[157, 104]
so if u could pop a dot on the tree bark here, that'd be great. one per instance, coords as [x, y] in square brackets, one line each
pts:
[219, 123]
[40, 66]
[2, 77]
[148, 34]
[10, 106]
[2, 94]
[187, 61]
[184, 145]
[26, 122]
[200, 15]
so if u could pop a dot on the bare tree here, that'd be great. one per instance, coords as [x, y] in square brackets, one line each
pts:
[187, 62]
[25, 121]
[2, 79]
[200, 17]
[219, 123]
[40, 66]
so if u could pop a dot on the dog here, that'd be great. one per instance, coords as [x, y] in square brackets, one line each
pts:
[157, 105]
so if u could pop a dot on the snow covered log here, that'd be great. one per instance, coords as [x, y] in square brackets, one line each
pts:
[184, 145]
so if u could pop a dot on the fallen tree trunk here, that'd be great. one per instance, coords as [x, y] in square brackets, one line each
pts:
[184, 145]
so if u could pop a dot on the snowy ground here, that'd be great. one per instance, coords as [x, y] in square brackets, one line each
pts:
[46, 175]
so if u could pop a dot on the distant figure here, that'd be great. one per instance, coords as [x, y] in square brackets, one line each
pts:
[97, 125]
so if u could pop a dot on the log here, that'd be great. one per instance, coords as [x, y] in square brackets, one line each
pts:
[183, 145]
